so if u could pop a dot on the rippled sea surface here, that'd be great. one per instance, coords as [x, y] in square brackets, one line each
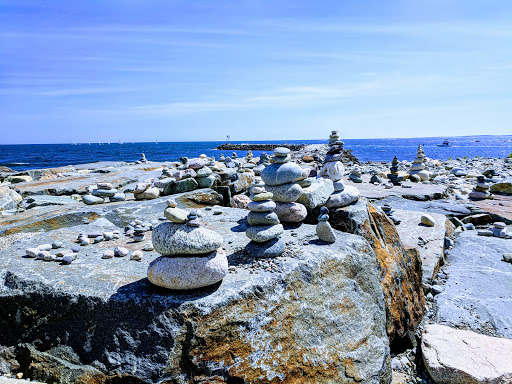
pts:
[34, 156]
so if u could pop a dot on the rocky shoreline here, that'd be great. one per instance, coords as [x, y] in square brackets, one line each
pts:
[336, 271]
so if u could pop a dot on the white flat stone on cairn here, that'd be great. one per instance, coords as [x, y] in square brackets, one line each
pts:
[265, 230]
[418, 165]
[191, 256]
[280, 179]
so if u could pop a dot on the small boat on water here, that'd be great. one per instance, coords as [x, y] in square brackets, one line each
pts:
[446, 143]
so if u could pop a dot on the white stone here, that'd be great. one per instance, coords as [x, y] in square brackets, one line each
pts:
[428, 220]
[317, 193]
[333, 170]
[455, 356]
[181, 273]
[341, 199]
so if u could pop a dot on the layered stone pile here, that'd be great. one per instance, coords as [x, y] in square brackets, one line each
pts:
[265, 229]
[324, 230]
[355, 175]
[481, 190]
[393, 176]
[280, 179]
[418, 166]
[192, 256]
[101, 193]
[333, 138]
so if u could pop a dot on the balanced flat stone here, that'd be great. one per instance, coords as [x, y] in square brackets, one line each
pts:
[431, 248]
[477, 293]
[334, 285]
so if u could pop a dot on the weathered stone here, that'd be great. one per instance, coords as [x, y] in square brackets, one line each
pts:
[9, 199]
[333, 170]
[290, 212]
[185, 185]
[240, 201]
[201, 198]
[427, 220]
[104, 192]
[206, 182]
[277, 174]
[118, 197]
[46, 200]
[176, 215]
[182, 273]
[262, 218]
[262, 206]
[267, 249]
[285, 193]
[453, 356]
[503, 187]
[149, 194]
[203, 172]
[341, 199]
[175, 239]
[317, 194]
[262, 233]
[91, 200]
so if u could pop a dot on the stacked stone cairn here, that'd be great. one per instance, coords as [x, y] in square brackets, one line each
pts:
[142, 159]
[175, 214]
[418, 166]
[355, 175]
[333, 169]
[324, 230]
[499, 229]
[146, 191]
[393, 176]
[481, 190]
[281, 179]
[388, 210]
[333, 138]
[249, 155]
[265, 229]
[103, 192]
[222, 158]
[192, 256]
[204, 174]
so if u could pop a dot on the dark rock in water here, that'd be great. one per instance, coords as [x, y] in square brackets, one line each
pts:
[185, 185]
[133, 332]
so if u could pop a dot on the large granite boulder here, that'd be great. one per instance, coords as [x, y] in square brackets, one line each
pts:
[9, 199]
[453, 356]
[318, 316]
[400, 268]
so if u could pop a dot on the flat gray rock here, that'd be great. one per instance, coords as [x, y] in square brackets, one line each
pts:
[477, 293]
[444, 207]
[179, 239]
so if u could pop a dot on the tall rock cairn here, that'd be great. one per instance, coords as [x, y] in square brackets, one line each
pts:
[192, 256]
[265, 230]
[333, 138]
[280, 179]
[393, 176]
[418, 165]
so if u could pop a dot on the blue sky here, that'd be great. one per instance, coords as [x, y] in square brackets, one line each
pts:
[140, 70]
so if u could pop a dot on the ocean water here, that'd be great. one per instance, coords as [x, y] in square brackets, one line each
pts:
[34, 156]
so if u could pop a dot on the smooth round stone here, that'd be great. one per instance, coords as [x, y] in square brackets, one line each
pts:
[75, 249]
[325, 232]
[183, 273]
[500, 225]
[104, 192]
[286, 193]
[427, 220]
[262, 196]
[261, 206]
[120, 251]
[49, 257]
[176, 215]
[197, 163]
[108, 236]
[177, 239]
[323, 217]
[339, 186]
[119, 196]
[333, 170]
[277, 174]
[149, 194]
[341, 199]
[45, 247]
[291, 212]
[57, 244]
[105, 186]
[63, 253]
[68, 259]
[256, 190]
[148, 247]
[206, 182]
[171, 203]
[92, 235]
[281, 159]
[32, 252]
[98, 239]
[203, 172]
[42, 254]
[271, 248]
[281, 151]
[136, 255]
[108, 254]
[263, 233]
[262, 218]
[484, 232]
[91, 200]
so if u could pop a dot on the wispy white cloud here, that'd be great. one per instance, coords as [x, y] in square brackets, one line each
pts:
[84, 91]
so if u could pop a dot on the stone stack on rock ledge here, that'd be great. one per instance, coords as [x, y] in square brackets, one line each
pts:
[333, 138]
[265, 229]
[191, 256]
[393, 176]
[481, 190]
[280, 179]
[418, 166]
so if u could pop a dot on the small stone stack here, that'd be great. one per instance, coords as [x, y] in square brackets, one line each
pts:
[192, 256]
[222, 158]
[103, 192]
[418, 165]
[388, 210]
[481, 190]
[143, 158]
[249, 155]
[393, 176]
[175, 214]
[264, 159]
[205, 177]
[324, 230]
[265, 230]
[499, 229]
[280, 179]
[333, 138]
[355, 175]
[146, 191]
